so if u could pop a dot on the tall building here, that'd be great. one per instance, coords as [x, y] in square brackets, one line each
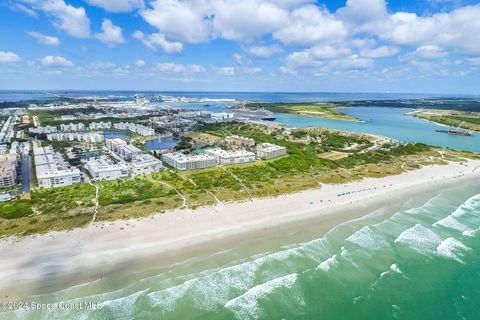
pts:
[8, 171]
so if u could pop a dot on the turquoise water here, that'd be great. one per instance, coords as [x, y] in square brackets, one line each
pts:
[390, 122]
[417, 260]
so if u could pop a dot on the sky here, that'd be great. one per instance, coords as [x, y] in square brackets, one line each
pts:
[422, 46]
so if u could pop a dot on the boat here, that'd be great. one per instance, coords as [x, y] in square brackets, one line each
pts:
[458, 131]
[254, 114]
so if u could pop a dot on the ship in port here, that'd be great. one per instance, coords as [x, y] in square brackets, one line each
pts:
[253, 114]
[458, 131]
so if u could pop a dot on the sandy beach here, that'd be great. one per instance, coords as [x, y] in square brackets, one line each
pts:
[87, 253]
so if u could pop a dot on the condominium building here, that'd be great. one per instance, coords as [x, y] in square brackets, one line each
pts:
[99, 125]
[8, 171]
[188, 162]
[269, 151]
[240, 141]
[104, 169]
[137, 128]
[45, 130]
[145, 163]
[231, 157]
[91, 137]
[124, 150]
[52, 170]
[72, 127]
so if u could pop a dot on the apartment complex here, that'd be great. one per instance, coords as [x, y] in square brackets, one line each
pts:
[137, 128]
[124, 150]
[268, 151]
[45, 130]
[72, 127]
[104, 169]
[91, 137]
[182, 162]
[240, 141]
[8, 171]
[52, 170]
[231, 157]
[145, 163]
[99, 125]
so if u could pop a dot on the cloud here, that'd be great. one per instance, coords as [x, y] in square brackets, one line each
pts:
[247, 19]
[140, 63]
[240, 59]
[311, 25]
[179, 20]
[111, 35]
[457, 30]
[157, 42]
[23, 9]
[264, 51]
[226, 71]
[72, 20]
[429, 52]
[179, 68]
[8, 56]
[56, 61]
[251, 70]
[44, 39]
[117, 5]
[379, 52]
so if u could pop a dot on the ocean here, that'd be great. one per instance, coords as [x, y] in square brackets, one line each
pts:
[416, 259]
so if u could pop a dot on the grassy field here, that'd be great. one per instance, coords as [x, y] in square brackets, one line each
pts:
[471, 121]
[305, 166]
[327, 111]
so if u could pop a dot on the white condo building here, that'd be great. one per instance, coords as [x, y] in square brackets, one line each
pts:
[231, 157]
[124, 150]
[269, 151]
[52, 170]
[145, 163]
[8, 171]
[91, 137]
[104, 169]
[188, 162]
[46, 129]
[72, 127]
[99, 125]
[137, 128]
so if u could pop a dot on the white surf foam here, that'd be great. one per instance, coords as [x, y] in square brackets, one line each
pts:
[392, 269]
[452, 248]
[452, 223]
[420, 239]
[246, 305]
[328, 264]
[368, 238]
[471, 204]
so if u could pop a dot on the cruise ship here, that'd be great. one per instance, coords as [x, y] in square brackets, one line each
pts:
[254, 114]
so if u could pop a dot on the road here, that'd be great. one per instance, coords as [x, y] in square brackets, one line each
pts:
[26, 173]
